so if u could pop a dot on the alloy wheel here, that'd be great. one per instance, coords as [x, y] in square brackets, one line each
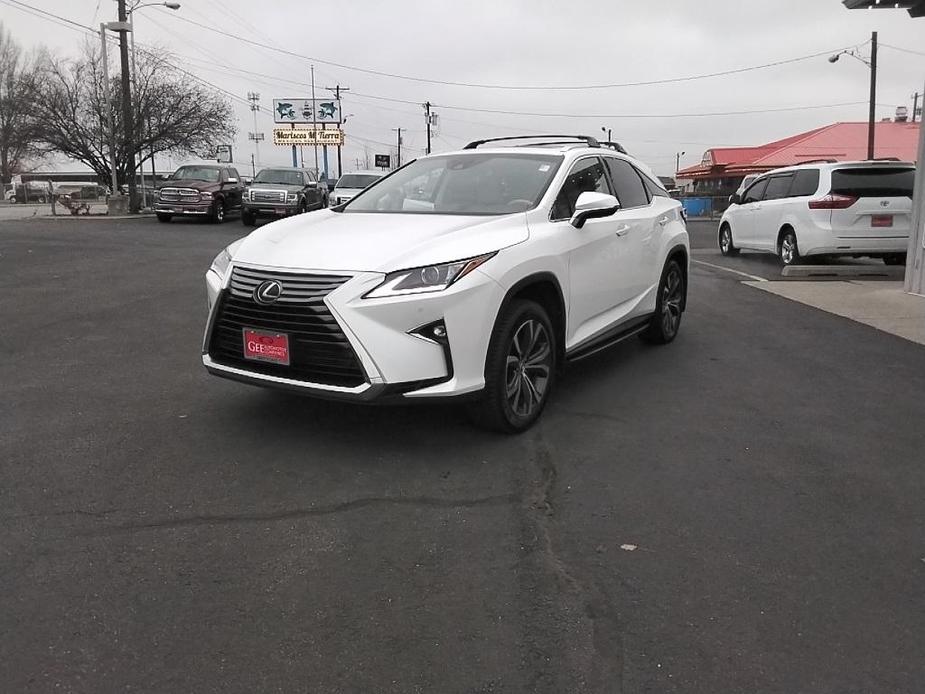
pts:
[725, 240]
[787, 249]
[672, 296]
[528, 367]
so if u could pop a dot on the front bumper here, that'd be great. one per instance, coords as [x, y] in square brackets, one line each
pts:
[183, 208]
[268, 209]
[396, 362]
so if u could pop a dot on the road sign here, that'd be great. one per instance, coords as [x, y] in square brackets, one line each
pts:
[383, 161]
[307, 111]
[307, 136]
[223, 154]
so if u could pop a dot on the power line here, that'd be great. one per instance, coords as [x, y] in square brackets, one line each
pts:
[903, 50]
[380, 73]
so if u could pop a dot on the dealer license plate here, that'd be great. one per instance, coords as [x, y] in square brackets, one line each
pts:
[263, 345]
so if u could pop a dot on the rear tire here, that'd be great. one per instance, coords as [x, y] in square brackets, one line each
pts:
[787, 248]
[164, 218]
[666, 322]
[520, 369]
[895, 259]
[726, 246]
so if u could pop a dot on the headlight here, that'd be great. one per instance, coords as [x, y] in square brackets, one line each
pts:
[221, 263]
[291, 197]
[421, 280]
[248, 194]
[205, 196]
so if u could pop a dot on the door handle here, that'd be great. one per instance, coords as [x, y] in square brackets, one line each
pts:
[663, 221]
[622, 231]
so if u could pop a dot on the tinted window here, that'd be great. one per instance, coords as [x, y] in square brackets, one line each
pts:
[873, 182]
[778, 187]
[587, 176]
[357, 180]
[234, 174]
[626, 182]
[476, 183]
[756, 192]
[286, 177]
[805, 182]
[653, 188]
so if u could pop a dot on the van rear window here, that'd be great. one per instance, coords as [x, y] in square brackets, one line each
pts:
[870, 182]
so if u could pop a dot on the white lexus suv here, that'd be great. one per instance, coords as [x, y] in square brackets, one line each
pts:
[475, 273]
[859, 208]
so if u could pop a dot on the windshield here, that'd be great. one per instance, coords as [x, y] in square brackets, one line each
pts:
[357, 180]
[196, 173]
[466, 184]
[285, 177]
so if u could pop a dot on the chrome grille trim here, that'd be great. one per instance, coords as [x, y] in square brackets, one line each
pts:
[297, 288]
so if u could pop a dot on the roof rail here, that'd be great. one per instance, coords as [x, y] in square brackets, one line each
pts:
[590, 141]
[816, 161]
[615, 145]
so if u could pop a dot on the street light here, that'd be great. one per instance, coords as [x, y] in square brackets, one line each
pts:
[872, 65]
[129, 14]
[677, 162]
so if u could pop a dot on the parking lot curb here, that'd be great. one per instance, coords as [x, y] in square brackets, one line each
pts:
[893, 272]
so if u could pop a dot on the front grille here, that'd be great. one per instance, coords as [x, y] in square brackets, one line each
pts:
[319, 351]
[268, 195]
[179, 194]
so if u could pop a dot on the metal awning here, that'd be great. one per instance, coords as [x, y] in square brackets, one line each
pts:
[916, 8]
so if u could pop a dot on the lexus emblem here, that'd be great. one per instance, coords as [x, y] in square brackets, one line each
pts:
[884, 203]
[268, 292]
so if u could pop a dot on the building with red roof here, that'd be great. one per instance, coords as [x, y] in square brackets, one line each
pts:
[723, 168]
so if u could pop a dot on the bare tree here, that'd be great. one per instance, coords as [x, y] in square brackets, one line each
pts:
[173, 113]
[18, 113]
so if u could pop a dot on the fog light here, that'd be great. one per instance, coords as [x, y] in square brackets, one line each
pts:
[439, 331]
[432, 332]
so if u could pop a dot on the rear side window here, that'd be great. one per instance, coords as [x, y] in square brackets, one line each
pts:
[627, 183]
[805, 182]
[778, 187]
[872, 182]
[587, 176]
[756, 191]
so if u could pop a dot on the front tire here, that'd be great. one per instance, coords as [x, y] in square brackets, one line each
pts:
[164, 218]
[895, 259]
[788, 250]
[248, 219]
[217, 215]
[665, 323]
[726, 246]
[520, 369]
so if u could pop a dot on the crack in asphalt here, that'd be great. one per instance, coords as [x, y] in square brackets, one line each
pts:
[296, 514]
[602, 674]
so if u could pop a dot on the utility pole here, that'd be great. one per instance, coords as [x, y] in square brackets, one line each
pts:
[427, 118]
[873, 95]
[253, 168]
[107, 107]
[677, 162]
[314, 119]
[337, 89]
[398, 163]
[254, 98]
[915, 104]
[127, 115]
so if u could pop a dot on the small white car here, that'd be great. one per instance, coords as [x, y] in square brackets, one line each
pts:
[861, 208]
[351, 184]
[474, 274]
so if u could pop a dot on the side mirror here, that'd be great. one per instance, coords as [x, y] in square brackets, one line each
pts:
[734, 199]
[592, 206]
[232, 180]
[312, 184]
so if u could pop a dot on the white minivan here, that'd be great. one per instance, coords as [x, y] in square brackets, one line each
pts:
[861, 208]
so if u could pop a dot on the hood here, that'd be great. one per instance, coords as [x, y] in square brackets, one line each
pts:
[371, 242]
[347, 191]
[205, 186]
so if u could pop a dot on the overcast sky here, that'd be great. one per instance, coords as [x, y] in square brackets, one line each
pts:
[529, 43]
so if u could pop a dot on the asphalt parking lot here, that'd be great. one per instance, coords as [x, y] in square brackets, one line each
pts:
[740, 511]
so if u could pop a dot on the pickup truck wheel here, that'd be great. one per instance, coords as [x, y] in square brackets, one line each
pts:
[248, 219]
[164, 218]
[218, 212]
[303, 207]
